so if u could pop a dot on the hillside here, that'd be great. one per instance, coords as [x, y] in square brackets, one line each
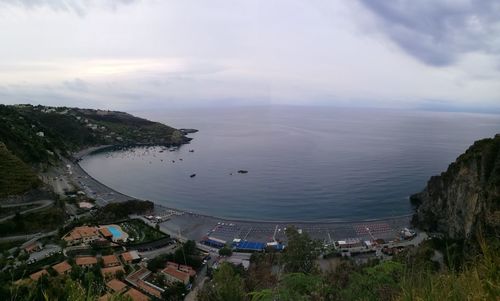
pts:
[466, 196]
[15, 176]
[39, 134]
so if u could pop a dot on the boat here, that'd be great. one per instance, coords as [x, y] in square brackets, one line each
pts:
[193, 175]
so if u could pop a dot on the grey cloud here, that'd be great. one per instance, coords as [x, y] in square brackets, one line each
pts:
[438, 32]
[77, 85]
[79, 7]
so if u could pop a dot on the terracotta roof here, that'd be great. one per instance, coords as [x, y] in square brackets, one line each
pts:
[86, 260]
[106, 297]
[110, 260]
[129, 256]
[35, 276]
[116, 285]
[136, 295]
[111, 270]
[187, 269]
[105, 232]
[81, 232]
[62, 267]
[180, 275]
[148, 289]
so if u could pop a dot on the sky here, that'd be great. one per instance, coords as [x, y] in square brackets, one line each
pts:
[128, 54]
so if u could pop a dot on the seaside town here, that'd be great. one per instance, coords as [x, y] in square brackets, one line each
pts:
[166, 251]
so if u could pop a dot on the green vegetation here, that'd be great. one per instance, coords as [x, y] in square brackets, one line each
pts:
[46, 220]
[412, 275]
[140, 232]
[15, 176]
[186, 254]
[119, 211]
[225, 251]
[39, 134]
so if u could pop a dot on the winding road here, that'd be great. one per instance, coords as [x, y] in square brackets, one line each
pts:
[43, 204]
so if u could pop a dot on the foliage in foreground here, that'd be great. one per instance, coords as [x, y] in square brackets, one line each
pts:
[413, 276]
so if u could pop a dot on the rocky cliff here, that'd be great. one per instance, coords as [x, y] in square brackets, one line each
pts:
[466, 196]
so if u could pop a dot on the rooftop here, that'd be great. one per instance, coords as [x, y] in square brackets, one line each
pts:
[116, 285]
[62, 267]
[86, 260]
[136, 295]
[35, 276]
[110, 260]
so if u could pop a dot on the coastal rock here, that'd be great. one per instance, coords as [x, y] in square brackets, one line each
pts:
[465, 197]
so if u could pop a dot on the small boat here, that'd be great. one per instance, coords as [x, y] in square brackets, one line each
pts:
[191, 150]
[193, 175]
[242, 171]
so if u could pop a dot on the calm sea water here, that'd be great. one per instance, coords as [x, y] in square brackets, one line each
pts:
[303, 163]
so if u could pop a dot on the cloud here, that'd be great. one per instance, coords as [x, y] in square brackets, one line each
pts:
[438, 32]
[79, 7]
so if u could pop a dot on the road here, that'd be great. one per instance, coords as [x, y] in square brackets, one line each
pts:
[43, 204]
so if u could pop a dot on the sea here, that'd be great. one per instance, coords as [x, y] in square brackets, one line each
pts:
[302, 163]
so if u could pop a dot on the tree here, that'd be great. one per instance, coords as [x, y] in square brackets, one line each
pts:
[380, 282]
[175, 292]
[226, 285]
[301, 252]
[225, 251]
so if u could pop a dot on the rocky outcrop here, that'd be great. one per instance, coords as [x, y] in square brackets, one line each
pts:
[465, 197]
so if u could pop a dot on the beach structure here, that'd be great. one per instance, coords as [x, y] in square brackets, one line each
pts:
[249, 246]
[213, 242]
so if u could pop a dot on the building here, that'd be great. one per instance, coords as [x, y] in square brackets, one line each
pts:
[82, 235]
[110, 272]
[214, 242]
[138, 280]
[173, 274]
[130, 257]
[110, 261]
[136, 295]
[116, 286]
[106, 233]
[33, 247]
[183, 268]
[86, 261]
[62, 268]
[37, 275]
[349, 243]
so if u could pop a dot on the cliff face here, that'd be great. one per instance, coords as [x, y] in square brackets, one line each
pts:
[464, 197]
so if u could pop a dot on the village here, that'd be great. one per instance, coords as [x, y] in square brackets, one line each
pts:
[138, 258]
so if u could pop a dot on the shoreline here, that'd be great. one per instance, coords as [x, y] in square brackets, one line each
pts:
[88, 151]
[189, 225]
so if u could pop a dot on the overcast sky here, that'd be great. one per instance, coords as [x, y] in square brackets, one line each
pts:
[126, 54]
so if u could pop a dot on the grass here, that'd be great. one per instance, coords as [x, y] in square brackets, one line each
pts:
[140, 232]
[476, 280]
[15, 176]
